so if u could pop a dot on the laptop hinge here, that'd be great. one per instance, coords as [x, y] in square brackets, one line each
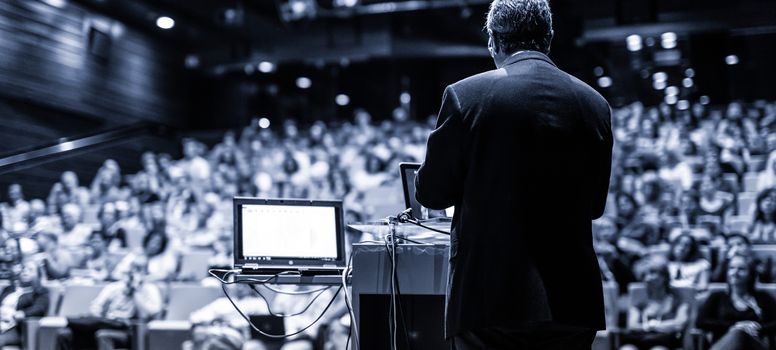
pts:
[251, 266]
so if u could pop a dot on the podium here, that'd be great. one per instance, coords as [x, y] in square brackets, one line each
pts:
[422, 281]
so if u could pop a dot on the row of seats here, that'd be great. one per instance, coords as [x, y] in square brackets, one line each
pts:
[168, 332]
[694, 339]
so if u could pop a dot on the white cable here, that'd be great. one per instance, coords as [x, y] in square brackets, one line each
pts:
[349, 304]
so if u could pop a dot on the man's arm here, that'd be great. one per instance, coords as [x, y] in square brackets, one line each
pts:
[148, 300]
[107, 293]
[604, 168]
[440, 178]
[39, 304]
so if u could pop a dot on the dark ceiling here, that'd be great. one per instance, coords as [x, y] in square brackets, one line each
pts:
[226, 34]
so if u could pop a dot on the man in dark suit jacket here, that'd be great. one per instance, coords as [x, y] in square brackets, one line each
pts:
[523, 152]
[25, 298]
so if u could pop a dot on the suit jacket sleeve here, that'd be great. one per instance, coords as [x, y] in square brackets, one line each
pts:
[440, 178]
[38, 305]
[604, 167]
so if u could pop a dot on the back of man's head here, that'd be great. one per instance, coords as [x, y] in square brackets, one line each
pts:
[516, 25]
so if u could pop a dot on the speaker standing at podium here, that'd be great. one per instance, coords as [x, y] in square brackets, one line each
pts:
[523, 152]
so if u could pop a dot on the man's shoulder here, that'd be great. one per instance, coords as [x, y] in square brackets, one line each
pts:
[583, 87]
[478, 80]
[562, 79]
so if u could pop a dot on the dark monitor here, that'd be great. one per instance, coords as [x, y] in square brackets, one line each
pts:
[408, 173]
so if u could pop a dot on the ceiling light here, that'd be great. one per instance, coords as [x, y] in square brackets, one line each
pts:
[165, 22]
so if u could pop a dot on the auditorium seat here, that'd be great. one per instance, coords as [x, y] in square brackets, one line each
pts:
[73, 302]
[739, 223]
[755, 164]
[174, 328]
[732, 181]
[32, 324]
[194, 265]
[701, 339]
[747, 203]
[750, 182]
[611, 312]
[764, 252]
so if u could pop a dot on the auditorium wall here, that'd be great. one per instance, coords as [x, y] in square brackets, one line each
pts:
[67, 71]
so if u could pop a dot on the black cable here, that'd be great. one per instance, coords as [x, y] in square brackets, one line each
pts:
[406, 216]
[269, 308]
[409, 240]
[280, 291]
[415, 222]
[392, 305]
[401, 310]
[350, 330]
[255, 280]
[277, 336]
[351, 312]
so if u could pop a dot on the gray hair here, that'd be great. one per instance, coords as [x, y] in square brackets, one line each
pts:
[516, 25]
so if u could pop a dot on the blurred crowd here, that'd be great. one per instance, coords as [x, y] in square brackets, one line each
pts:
[691, 199]
[692, 204]
[133, 229]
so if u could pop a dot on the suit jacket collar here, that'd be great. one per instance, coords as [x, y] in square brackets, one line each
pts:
[527, 55]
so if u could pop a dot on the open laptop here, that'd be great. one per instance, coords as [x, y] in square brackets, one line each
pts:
[277, 235]
[408, 173]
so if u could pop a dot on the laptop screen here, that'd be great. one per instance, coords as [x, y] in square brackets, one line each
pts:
[288, 233]
[408, 173]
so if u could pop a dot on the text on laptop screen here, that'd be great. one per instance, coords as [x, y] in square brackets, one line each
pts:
[284, 231]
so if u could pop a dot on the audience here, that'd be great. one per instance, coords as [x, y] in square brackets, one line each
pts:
[739, 244]
[659, 321]
[741, 316]
[161, 259]
[687, 268]
[763, 227]
[24, 298]
[108, 325]
[219, 326]
[676, 179]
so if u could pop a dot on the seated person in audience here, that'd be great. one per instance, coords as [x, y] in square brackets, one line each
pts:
[767, 178]
[686, 266]
[105, 186]
[290, 304]
[16, 211]
[24, 298]
[614, 264]
[74, 233]
[741, 316]
[111, 313]
[659, 321]
[219, 326]
[627, 209]
[115, 237]
[763, 227]
[130, 221]
[222, 253]
[95, 267]
[11, 255]
[162, 260]
[739, 244]
[39, 219]
[55, 261]
[72, 191]
[713, 201]
[689, 209]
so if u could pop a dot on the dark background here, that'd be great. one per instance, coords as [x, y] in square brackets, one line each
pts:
[70, 68]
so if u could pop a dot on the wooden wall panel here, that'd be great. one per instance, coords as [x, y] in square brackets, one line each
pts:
[45, 59]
